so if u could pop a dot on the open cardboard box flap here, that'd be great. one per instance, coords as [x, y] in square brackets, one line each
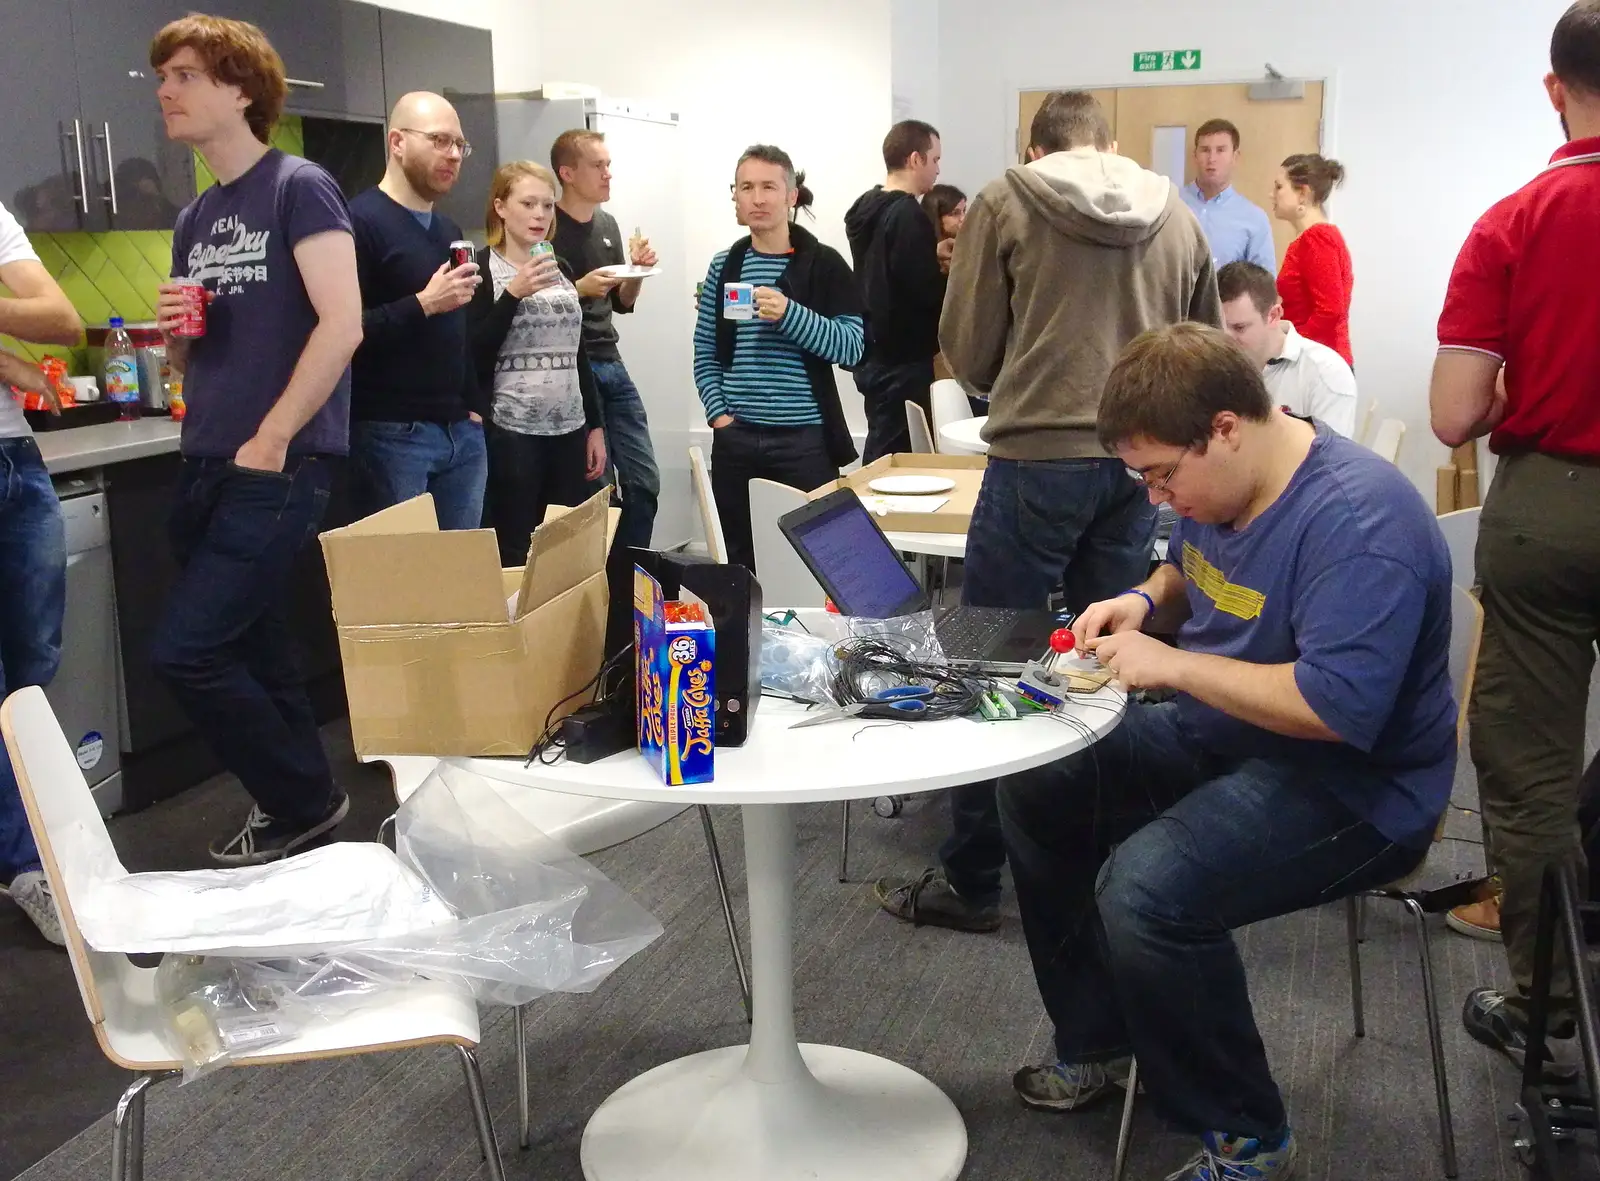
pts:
[565, 550]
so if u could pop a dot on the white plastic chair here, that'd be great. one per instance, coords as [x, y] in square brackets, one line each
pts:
[1386, 442]
[950, 404]
[1364, 436]
[120, 998]
[710, 519]
[921, 436]
[785, 580]
[1460, 530]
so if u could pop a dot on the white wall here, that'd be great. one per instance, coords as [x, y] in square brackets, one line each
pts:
[914, 60]
[1436, 110]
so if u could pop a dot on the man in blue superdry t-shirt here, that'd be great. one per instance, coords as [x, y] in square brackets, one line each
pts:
[1307, 755]
[268, 393]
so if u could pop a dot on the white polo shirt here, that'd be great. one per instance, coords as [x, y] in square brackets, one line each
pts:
[14, 247]
[1308, 378]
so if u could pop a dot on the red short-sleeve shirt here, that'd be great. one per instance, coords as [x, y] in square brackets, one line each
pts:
[1526, 289]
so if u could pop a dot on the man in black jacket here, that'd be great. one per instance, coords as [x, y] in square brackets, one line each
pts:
[410, 430]
[900, 269]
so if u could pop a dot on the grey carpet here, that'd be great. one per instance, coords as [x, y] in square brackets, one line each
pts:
[961, 1009]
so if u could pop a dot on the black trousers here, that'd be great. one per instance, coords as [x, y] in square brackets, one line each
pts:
[527, 474]
[745, 451]
[885, 390]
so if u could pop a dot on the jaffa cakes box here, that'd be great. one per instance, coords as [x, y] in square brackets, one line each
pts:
[675, 650]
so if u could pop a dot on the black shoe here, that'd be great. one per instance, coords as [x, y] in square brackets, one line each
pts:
[265, 839]
[930, 901]
[1491, 1019]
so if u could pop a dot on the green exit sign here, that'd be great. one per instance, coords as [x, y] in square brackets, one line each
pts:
[1166, 59]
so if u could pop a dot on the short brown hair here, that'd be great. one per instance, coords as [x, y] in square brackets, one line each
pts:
[1321, 175]
[1170, 384]
[234, 53]
[1575, 47]
[1248, 278]
[1069, 119]
[567, 151]
[505, 178]
[1217, 127]
[904, 140]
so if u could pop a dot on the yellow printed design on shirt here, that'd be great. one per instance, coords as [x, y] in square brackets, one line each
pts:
[1228, 596]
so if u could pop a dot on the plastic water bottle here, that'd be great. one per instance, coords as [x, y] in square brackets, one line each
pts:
[122, 372]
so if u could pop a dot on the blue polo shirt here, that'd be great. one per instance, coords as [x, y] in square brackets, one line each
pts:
[1236, 227]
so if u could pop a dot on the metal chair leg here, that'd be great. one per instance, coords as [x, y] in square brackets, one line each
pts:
[727, 910]
[1361, 918]
[518, 1021]
[1125, 1131]
[1352, 919]
[480, 1112]
[127, 1130]
[1447, 1134]
[844, 844]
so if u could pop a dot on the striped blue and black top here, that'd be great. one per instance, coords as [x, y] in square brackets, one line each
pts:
[767, 382]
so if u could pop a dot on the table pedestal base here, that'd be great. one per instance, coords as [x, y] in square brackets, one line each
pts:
[850, 1117]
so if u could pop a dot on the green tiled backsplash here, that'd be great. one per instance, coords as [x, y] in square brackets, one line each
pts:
[117, 273]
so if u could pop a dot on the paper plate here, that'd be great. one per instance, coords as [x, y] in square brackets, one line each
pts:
[911, 485]
[630, 272]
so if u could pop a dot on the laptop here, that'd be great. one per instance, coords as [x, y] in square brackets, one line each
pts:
[843, 546]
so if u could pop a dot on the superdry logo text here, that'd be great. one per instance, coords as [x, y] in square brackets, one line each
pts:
[233, 257]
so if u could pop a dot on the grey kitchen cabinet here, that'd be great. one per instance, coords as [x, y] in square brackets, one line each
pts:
[332, 53]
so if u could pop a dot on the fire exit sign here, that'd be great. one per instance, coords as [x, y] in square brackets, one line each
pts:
[1166, 59]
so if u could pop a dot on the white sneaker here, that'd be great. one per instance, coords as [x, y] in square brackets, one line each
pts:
[31, 891]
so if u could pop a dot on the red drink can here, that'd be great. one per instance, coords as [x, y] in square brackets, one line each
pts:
[193, 321]
[460, 253]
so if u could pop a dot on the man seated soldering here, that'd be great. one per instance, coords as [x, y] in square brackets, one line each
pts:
[1308, 753]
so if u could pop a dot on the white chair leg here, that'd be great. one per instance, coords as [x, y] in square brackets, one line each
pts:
[519, 1021]
[727, 909]
[1352, 920]
[480, 1113]
[844, 844]
[1125, 1131]
[1447, 1135]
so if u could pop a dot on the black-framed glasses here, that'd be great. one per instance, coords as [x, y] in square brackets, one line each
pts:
[1161, 484]
[442, 141]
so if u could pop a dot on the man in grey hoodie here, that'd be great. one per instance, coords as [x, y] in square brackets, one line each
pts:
[1060, 263]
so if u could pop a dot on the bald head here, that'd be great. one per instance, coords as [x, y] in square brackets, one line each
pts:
[426, 147]
[421, 109]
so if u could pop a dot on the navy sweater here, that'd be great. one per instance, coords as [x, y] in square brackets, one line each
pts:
[410, 367]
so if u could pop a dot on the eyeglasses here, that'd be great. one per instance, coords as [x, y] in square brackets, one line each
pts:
[1161, 484]
[442, 141]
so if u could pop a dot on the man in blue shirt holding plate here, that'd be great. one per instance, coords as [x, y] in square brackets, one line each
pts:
[1307, 754]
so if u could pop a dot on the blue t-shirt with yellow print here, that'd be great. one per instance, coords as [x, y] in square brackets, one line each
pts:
[1346, 576]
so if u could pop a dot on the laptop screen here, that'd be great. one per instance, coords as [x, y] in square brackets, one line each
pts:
[854, 561]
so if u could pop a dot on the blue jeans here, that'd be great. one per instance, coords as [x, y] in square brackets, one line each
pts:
[33, 596]
[394, 461]
[224, 647]
[1083, 523]
[629, 451]
[1134, 861]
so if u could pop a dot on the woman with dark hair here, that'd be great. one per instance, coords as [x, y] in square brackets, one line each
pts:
[946, 207]
[1316, 278]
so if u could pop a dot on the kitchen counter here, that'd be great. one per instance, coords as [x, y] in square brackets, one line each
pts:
[77, 448]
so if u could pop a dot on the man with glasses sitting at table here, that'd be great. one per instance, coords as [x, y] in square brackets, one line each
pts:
[1307, 755]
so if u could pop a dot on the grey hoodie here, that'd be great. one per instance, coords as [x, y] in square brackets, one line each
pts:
[1060, 264]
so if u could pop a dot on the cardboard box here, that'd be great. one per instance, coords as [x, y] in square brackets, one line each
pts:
[675, 650]
[444, 652]
[954, 516]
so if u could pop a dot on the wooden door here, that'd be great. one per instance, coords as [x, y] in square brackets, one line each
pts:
[1268, 130]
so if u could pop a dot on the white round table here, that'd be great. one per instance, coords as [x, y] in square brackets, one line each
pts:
[777, 1110]
[962, 436]
[939, 545]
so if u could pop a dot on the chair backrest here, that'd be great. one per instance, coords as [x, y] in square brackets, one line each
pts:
[785, 581]
[716, 544]
[1466, 629]
[1364, 437]
[917, 424]
[949, 403]
[1386, 442]
[1460, 530]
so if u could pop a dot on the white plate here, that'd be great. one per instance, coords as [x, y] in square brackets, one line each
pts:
[630, 272]
[911, 485]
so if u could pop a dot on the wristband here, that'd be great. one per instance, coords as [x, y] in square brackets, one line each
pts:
[1133, 590]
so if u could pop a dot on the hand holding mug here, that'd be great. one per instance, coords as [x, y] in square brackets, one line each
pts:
[771, 304]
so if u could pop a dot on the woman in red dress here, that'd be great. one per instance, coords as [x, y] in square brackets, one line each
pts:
[1315, 279]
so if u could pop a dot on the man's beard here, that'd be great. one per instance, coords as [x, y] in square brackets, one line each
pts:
[420, 177]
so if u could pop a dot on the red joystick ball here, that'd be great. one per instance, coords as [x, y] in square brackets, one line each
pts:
[1062, 641]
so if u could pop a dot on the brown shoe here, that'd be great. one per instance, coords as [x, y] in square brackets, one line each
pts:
[1477, 920]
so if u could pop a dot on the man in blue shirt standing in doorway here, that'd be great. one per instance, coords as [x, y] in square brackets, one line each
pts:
[1236, 227]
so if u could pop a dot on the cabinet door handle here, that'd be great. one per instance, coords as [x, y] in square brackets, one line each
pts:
[111, 167]
[81, 197]
[301, 82]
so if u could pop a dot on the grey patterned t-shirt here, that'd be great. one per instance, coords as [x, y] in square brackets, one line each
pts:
[536, 376]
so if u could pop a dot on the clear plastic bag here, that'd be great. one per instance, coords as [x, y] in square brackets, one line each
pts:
[798, 658]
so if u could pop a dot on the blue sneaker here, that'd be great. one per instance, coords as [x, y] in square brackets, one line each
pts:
[1239, 1158]
[1069, 1086]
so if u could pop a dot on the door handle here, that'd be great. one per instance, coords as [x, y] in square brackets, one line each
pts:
[306, 85]
[111, 169]
[81, 197]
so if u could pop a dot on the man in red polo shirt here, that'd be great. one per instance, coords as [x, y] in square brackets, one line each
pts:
[1519, 360]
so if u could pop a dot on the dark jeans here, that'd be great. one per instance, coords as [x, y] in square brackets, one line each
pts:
[395, 461]
[527, 474]
[33, 595]
[885, 390]
[224, 647]
[745, 451]
[629, 451]
[1134, 860]
[1081, 522]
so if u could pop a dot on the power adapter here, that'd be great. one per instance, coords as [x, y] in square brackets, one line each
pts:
[598, 731]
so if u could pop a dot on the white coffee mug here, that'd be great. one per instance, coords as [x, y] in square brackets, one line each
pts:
[85, 389]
